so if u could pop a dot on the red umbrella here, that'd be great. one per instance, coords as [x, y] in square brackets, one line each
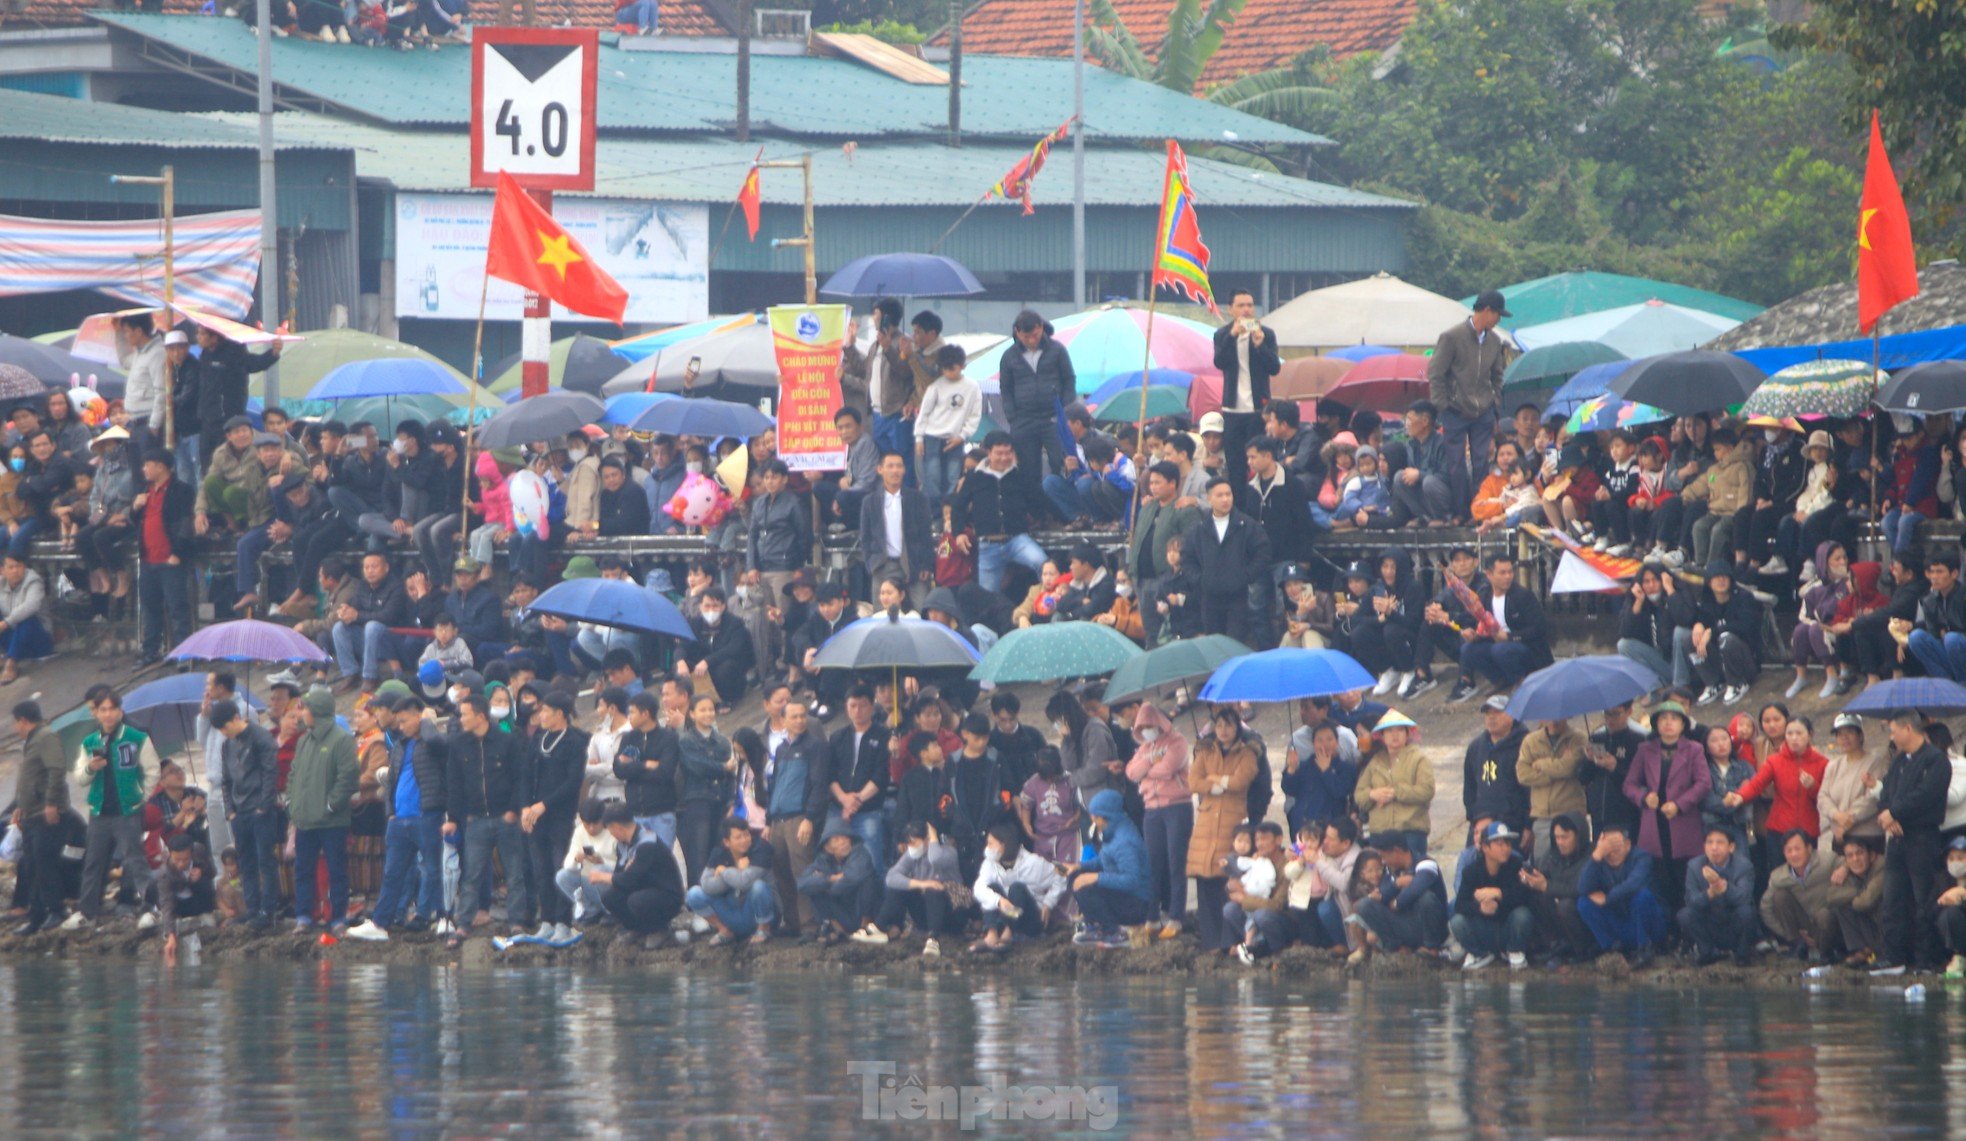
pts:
[1384, 383]
[1308, 377]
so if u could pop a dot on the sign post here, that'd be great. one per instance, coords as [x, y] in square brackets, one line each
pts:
[532, 116]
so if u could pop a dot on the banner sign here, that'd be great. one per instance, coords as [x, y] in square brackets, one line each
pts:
[660, 254]
[808, 340]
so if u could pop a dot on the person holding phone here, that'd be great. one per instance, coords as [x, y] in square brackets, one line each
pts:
[1246, 354]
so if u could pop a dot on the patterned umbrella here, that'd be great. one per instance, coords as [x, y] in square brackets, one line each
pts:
[1815, 388]
[16, 383]
[1055, 651]
[1601, 413]
[1112, 340]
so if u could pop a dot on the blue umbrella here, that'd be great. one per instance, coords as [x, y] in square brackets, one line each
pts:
[624, 408]
[1588, 382]
[902, 275]
[387, 376]
[608, 602]
[702, 417]
[1932, 695]
[167, 709]
[1285, 675]
[1578, 686]
[1130, 382]
[1357, 353]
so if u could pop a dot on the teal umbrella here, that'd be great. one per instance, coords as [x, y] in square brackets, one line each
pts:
[1055, 651]
[72, 726]
[1162, 400]
[1551, 365]
[1176, 662]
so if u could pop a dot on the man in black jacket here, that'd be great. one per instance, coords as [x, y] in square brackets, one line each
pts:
[1520, 644]
[857, 774]
[553, 765]
[1494, 911]
[1246, 356]
[1037, 380]
[830, 614]
[1277, 502]
[413, 840]
[906, 549]
[649, 763]
[1869, 646]
[1231, 556]
[1489, 787]
[1912, 803]
[644, 890]
[999, 501]
[1093, 590]
[722, 653]
[223, 366]
[482, 799]
[1939, 637]
[1722, 641]
[249, 774]
[362, 637]
[163, 512]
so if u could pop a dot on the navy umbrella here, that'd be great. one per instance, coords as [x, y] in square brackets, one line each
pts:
[701, 417]
[1933, 695]
[902, 275]
[1578, 686]
[1697, 380]
[548, 416]
[609, 602]
[1925, 389]
[1286, 674]
[167, 709]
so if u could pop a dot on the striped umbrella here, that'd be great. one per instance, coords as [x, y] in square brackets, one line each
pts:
[1816, 388]
[1602, 413]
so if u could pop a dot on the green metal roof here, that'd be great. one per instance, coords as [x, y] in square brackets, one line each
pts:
[57, 119]
[895, 173]
[694, 93]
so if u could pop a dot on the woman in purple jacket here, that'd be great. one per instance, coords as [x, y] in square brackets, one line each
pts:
[1667, 781]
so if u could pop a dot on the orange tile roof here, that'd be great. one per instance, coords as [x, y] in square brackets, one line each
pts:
[1268, 33]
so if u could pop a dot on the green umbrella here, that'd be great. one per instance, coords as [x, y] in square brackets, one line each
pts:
[1816, 388]
[1176, 662]
[1162, 400]
[1055, 651]
[71, 727]
[304, 363]
[386, 412]
[1551, 365]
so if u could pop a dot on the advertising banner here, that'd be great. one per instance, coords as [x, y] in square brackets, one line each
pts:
[807, 340]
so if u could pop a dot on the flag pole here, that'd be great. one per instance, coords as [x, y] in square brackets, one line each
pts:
[1876, 355]
[963, 217]
[470, 415]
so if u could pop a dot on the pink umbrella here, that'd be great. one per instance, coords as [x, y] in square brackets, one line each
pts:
[1385, 383]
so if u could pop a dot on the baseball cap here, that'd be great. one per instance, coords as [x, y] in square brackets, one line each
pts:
[1847, 721]
[1497, 830]
[1958, 844]
[1492, 299]
[1496, 703]
[286, 679]
[1210, 422]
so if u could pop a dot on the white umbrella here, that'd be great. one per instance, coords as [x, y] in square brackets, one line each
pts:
[1376, 310]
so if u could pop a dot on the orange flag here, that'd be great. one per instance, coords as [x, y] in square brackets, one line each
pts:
[1887, 265]
[530, 249]
[750, 196]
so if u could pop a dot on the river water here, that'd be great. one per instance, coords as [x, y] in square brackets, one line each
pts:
[265, 1049]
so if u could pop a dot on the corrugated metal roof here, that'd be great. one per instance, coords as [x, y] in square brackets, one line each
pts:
[678, 92]
[57, 119]
[916, 173]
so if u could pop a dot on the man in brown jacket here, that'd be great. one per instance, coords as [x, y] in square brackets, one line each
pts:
[1464, 380]
[42, 795]
[1856, 889]
[1725, 488]
[1548, 765]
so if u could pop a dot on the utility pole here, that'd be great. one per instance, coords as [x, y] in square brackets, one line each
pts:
[804, 164]
[168, 182]
[269, 214]
[744, 21]
[1078, 154]
[955, 73]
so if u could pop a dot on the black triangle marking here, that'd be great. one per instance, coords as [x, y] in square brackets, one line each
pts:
[534, 60]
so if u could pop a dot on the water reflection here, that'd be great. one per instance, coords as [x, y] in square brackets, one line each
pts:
[283, 1050]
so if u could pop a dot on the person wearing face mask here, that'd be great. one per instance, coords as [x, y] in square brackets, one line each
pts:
[1951, 904]
[722, 654]
[1778, 484]
[923, 887]
[582, 487]
[1645, 630]
[1016, 890]
[1160, 767]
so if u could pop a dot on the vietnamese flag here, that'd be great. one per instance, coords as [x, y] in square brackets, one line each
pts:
[1887, 265]
[530, 249]
[750, 196]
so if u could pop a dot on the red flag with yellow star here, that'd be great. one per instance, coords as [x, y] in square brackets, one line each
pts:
[1887, 265]
[750, 196]
[528, 248]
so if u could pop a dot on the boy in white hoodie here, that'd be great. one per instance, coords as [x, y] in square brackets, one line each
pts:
[952, 408]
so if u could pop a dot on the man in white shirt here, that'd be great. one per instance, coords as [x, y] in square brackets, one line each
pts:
[1246, 355]
[894, 535]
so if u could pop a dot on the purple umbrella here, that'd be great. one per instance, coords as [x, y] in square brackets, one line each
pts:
[247, 640]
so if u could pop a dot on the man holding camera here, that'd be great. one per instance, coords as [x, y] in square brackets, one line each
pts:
[1246, 354]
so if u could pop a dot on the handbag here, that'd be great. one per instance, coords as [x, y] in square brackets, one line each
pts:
[954, 567]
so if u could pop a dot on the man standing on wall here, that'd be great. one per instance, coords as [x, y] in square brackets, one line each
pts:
[1464, 379]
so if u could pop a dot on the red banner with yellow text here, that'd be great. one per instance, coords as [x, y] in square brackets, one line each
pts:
[807, 340]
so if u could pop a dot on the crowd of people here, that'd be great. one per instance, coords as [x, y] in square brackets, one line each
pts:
[586, 774]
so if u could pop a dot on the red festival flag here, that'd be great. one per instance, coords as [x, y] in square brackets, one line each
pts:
[1180, 256]
[1016, 183]
[528, 248]
[1887, 265]
[750, 196]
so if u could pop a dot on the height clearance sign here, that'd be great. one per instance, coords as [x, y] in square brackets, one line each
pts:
[807, 340]
[532, 106]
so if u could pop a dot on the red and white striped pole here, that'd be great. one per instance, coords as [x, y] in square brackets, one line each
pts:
[536, 331]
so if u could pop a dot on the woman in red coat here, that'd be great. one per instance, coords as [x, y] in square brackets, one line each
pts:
[1795, 771]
